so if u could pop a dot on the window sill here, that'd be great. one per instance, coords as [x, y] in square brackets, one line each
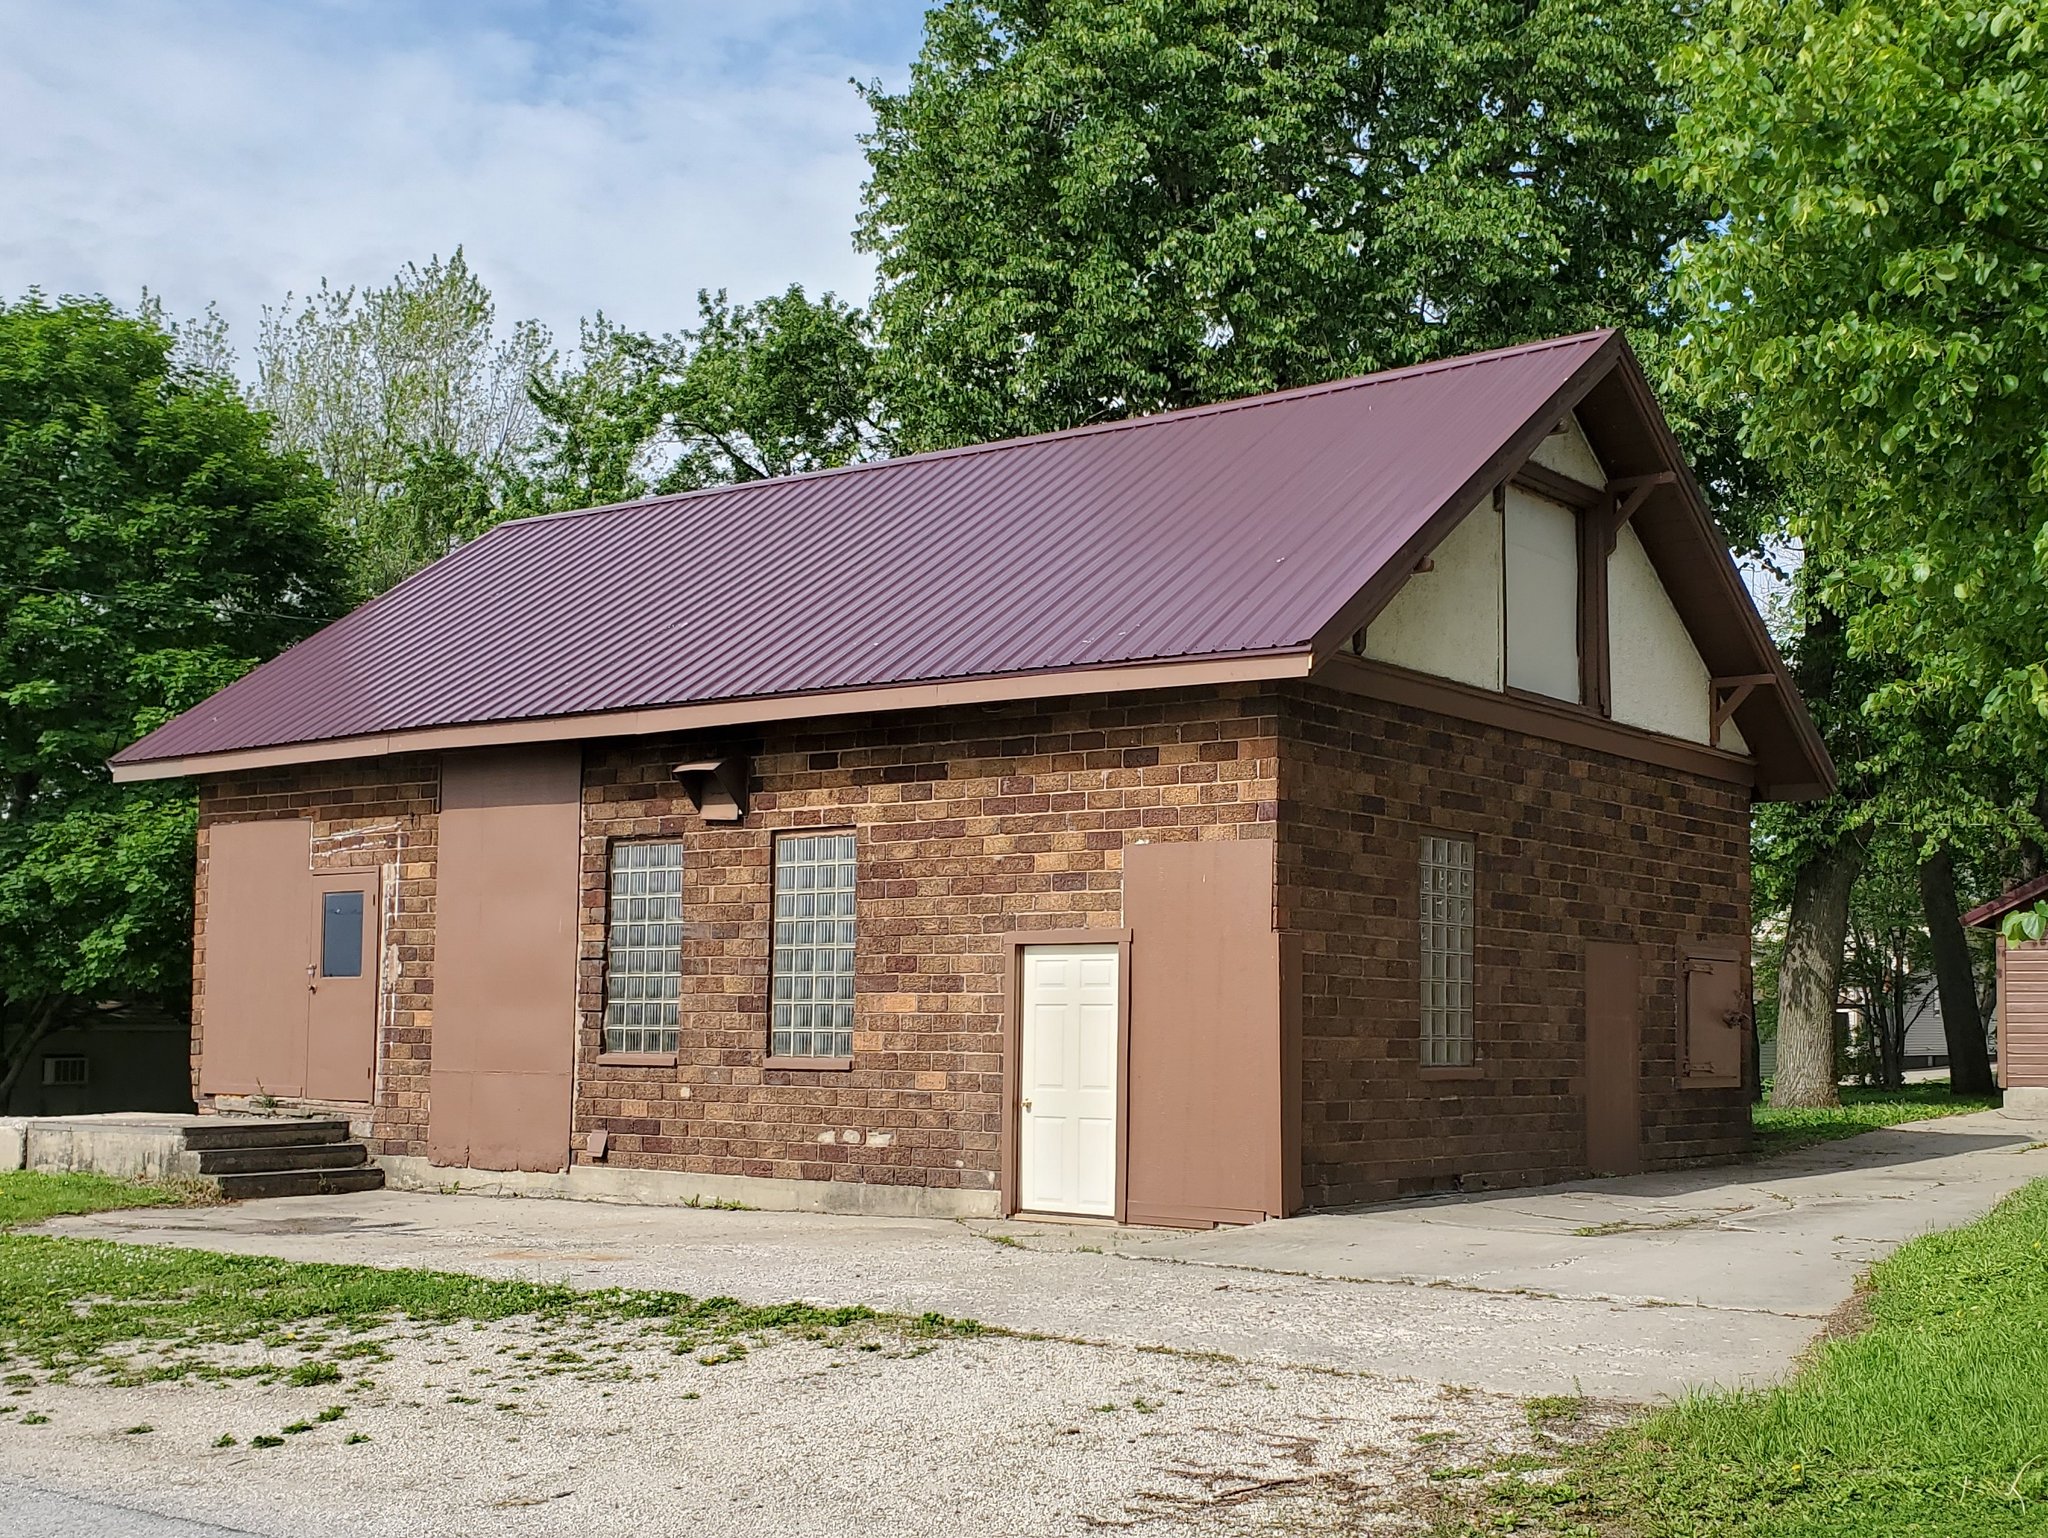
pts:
[1555, 702]
[636, 1059]
[1466, 1071]
[809, 1064]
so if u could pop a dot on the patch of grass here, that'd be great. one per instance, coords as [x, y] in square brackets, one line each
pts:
[225, 1439]
[1549, 1410]
[1861, 1110]
[266, 1441]
[69, 1303]
[1933, 1422]
[355, 1439]
[27, 1196]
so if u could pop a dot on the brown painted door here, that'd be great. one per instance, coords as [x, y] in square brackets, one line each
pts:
[507, 895]
[252, 998]
[341, 987]
[1614, 1116]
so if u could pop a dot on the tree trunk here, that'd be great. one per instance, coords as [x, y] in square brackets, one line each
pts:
[1962, 1022]
[1810, 975]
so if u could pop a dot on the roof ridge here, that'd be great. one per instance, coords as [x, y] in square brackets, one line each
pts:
[1085, 430]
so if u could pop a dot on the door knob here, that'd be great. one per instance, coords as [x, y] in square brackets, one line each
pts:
[1027, 1105]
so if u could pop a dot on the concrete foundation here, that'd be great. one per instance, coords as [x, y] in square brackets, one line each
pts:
[2027, 1102]
[128, 1145]
[663, 1188]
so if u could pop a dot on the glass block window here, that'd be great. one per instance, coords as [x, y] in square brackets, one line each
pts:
[1446, 952]
[644, 969]
[810, 1012]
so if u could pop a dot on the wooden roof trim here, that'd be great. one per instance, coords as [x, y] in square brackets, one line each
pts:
[1199, 672]
[1822, 779]
[1999, 906]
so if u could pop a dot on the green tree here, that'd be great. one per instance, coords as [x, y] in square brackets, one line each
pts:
[1872, 295]
[753, 390]
[410, 401]
[1085, 209]
[153, 546]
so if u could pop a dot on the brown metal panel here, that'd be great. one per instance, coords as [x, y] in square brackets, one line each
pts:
[1290, 1072]
[1208, 1055]
[449, 1117]
[341, 1011]
[252, 1036]
[506, 893]
[1614, 1115]
[1232, 529]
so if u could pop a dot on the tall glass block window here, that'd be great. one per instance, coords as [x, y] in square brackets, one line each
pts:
[1446, 952]
[810, 1012]
[644, 969]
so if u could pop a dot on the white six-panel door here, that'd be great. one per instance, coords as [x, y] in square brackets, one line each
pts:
[1066, 1140]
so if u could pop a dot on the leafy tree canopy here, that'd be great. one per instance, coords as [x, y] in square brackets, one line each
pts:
[1878, 297]
[753, 390]
[1089, 208]
[410, 401]
[153, 546]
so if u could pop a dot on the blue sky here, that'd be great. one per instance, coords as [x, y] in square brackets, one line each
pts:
[610, 154]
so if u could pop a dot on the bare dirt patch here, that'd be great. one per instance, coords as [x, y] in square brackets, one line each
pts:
[602, 1428]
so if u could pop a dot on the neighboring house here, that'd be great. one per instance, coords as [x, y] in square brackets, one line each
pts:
[1926, 1034]
[1305, 800]
[2022, 1001]
[135, 1059]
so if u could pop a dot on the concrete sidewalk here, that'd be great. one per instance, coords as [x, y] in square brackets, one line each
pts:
[1630, 1289]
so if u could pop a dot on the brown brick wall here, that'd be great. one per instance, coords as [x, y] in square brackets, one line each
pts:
[1571, 845]
[976, 823]
[971, 824]
[365, 814]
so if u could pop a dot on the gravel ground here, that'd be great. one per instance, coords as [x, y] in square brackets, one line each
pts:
[526, 1428]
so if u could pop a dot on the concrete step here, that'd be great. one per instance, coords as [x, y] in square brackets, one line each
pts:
[327, 1182]
[281, 1132]
[265, 1161]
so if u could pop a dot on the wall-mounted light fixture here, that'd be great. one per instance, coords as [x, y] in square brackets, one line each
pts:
[717, 787]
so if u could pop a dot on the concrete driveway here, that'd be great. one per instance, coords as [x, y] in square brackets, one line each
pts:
[1632, 1289]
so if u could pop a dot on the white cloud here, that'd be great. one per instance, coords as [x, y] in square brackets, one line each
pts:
[602, 155]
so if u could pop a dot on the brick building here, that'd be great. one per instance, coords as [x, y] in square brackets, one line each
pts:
[1312, 799]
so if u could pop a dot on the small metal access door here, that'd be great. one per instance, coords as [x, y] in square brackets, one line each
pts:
[341, 987]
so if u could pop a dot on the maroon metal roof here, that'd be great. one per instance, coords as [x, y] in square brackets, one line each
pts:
[1226, 530]
[2013, 897]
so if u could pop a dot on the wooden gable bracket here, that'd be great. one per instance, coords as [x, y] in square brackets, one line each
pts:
[1630, 492]
[717, 787]
[1729, 693]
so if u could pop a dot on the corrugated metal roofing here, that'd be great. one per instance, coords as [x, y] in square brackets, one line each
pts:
[1233, 529]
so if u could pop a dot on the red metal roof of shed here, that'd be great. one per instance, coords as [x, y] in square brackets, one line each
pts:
[1225, 531]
